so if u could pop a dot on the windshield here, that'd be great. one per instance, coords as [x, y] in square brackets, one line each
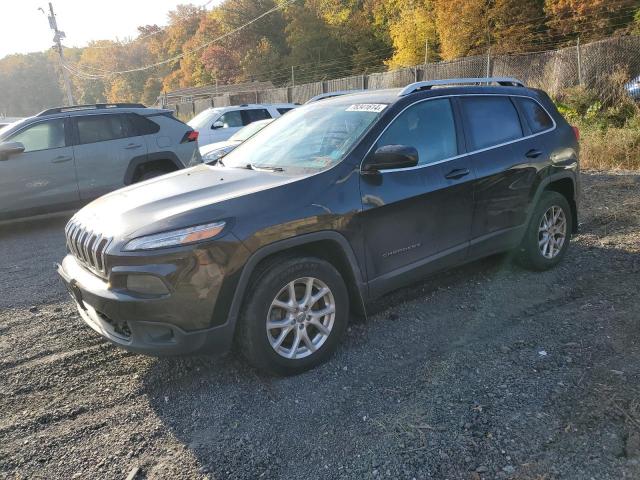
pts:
[251, 129]
[201, 120]
[310, 138]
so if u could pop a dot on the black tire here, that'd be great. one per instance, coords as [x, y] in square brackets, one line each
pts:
[267, 282]
[150, 174]
[529, 253]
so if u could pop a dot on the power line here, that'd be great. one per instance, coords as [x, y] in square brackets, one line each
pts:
[144, 37]
[197, 49]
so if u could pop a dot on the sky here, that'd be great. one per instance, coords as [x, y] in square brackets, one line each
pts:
[23, 28]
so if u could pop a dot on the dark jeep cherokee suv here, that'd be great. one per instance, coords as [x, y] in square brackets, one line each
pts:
[329, 206]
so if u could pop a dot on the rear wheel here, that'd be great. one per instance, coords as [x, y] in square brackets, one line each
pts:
[547, 237]
[295, 315]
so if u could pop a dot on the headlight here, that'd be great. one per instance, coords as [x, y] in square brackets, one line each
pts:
[216, 154]
[174, 238]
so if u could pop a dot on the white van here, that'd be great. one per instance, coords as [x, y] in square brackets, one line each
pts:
[218, 124]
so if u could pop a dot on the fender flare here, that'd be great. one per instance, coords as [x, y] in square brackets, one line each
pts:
[283, 246]
[543, 185]
[140, 160]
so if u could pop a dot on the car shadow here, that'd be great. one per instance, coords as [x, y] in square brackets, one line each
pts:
[393, 364]
[33, 226]
[28, 252]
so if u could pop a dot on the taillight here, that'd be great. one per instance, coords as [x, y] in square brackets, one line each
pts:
[576, 132]
[190, 136]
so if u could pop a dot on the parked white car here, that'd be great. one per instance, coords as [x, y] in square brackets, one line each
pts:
[215, 151]
[219, 124]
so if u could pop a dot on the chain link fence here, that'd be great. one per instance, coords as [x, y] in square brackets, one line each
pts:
[589, 65]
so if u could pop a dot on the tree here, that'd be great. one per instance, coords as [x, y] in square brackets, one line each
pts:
[588, 19]
[236, 13]
[120, 91]
[413, 27]
[222, 63]
[262, 62]
[516, 26]
[310, 43]
[463, 27]
[28, 84]
[352, 26]
[322, 39]
[152, 90]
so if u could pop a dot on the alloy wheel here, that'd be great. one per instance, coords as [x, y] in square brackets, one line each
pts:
[300, 318]
[552, 232]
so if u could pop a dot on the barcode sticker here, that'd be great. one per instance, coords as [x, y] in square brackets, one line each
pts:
[367, 107]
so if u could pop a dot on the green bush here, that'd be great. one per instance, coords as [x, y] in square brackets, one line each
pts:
[609, 123]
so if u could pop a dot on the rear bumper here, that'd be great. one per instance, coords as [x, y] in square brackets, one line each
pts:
[132, 322]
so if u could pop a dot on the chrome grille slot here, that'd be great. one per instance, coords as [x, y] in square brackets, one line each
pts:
[87, 246]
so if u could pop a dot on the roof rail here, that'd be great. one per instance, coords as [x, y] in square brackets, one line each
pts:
[94, 106]
[428, 84]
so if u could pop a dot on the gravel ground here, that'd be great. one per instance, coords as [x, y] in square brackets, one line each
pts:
[486, 371]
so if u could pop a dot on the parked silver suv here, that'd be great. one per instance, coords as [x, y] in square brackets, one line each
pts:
[64, 157]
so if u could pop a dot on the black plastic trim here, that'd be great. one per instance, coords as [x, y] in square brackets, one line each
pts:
[137, 162]
[283, 246]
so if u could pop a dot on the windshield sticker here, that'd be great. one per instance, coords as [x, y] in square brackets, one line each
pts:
[367, 107]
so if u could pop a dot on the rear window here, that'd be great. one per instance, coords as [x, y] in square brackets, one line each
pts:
[283, 110]
[254, 115]
[491, 120]
[102, 128]
[537, 118]
[142, 125]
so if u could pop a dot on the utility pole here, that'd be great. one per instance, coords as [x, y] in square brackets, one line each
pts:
[293, 78]
[57, 39]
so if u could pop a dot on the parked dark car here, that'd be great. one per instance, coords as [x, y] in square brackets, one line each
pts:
[334, 204]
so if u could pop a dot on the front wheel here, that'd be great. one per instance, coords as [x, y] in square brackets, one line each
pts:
[547, 237]
[296, 313]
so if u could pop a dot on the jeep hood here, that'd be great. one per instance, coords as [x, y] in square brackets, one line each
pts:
[183, 198]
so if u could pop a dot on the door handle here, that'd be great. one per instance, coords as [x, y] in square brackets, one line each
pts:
[61, 159]
[132, 146]
[533, 153]
[457, 173]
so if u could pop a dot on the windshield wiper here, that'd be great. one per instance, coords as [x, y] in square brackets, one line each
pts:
[265, 167]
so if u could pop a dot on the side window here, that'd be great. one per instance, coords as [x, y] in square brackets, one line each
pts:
[283, 110]
[42, 136]
[102, 128]
[491, 120]
[429, 127]
[141, 125]
[231, 119]
[538, 119]
[255, 114]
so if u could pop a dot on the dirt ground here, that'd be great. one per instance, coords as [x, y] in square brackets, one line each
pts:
[485, 371]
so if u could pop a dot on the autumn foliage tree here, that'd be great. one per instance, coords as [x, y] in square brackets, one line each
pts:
[588, 19]
[320, 39]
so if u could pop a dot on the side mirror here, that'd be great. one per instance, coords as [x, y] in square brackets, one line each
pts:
[217, 125]
[391, 156]
[10, 148]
